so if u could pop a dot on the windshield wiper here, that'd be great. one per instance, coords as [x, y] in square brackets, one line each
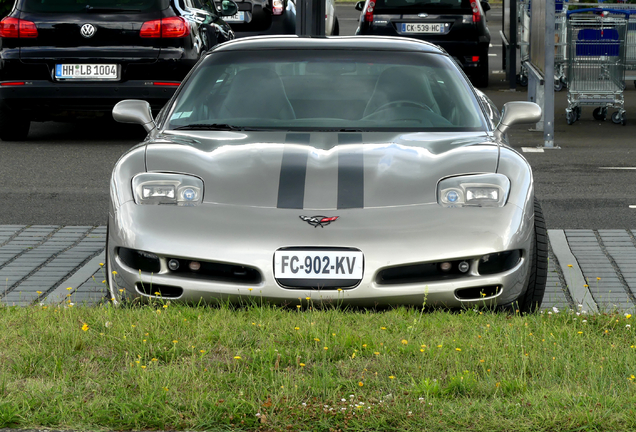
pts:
[215, 126]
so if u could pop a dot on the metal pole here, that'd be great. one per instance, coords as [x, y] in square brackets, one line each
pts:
[512, 52]
[548, 88]
[310, 17]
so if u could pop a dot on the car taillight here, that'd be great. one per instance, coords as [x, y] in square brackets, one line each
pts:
[278, 7]
[171, 27]
[368, 13]
[17, 28]
[476, 12]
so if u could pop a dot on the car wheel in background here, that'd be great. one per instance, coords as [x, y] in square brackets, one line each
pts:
[481, 76]
[13, 127]
[336, 28]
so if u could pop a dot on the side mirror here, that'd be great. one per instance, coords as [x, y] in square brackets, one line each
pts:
[360, 6]
[228, 8]
[517, 113]
[485, 6]
[136, 112]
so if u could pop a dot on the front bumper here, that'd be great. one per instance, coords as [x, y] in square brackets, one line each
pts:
[388, 237]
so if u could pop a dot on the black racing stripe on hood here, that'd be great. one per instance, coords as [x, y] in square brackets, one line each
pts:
[293, 170]
[350, 173]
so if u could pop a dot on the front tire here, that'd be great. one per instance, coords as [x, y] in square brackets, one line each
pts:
[531, 299]
[13, 127]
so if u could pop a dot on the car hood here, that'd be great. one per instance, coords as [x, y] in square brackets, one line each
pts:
[321, 170]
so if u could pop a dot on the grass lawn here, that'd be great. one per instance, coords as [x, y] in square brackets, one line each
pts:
[165, 366]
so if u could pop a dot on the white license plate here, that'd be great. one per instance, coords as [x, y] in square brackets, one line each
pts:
[87, 71]
[238, 17]
[422, 28]
[318, 264]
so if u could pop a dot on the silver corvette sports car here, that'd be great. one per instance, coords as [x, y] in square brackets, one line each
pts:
[357, 170]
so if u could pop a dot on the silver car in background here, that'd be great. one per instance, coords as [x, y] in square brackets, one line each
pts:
[352, 170]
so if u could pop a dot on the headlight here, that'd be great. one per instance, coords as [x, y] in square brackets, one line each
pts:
[160, 188]
[481, 190]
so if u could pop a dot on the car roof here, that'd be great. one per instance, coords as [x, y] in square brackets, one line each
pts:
[371, 43]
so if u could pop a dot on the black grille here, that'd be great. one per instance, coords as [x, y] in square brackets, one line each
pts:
[140, 260]
[417, 273]
[498, 262]
[219, 272]
[477, 292]
[158, 290]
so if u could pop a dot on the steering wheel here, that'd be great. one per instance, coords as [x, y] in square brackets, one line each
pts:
[402, 103]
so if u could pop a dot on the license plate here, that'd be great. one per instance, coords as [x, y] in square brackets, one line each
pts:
[238, 17]
[422, 28]
[318, 264]
[87, 71]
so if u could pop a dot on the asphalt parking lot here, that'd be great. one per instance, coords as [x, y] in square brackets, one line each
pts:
[52, 224]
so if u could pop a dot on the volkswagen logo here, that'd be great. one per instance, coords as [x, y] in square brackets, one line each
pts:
[422, 15]
[88, 30]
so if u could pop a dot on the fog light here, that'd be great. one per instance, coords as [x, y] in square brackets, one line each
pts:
[173, 264]
[463, 266]
[195, 265]
[445, 266]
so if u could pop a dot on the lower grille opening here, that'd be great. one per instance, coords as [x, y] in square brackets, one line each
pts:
[322, 284]
[498, 262]
[165, 291]
[139, 260]
[426, 272]
[219, 272]
[478, 293]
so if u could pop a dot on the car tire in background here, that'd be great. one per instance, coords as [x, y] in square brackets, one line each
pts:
[13, 127]
[336, 28]
[481, 76]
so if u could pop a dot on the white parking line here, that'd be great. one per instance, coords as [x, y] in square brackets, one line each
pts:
[571, 271]
[632, 206]
[492, 55]
[617, 168]
[532, 150]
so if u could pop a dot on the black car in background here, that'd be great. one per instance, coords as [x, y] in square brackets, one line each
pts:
[458, 26]
[64, 59]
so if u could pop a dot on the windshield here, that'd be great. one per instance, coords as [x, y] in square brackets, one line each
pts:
[96, 6]
[327, 90]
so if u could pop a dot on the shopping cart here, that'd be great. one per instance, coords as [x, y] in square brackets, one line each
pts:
[560, 45]
[596, 62]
